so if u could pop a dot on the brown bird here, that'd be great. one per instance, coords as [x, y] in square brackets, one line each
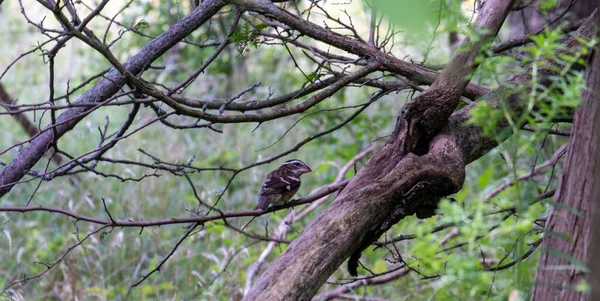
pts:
[281, 184]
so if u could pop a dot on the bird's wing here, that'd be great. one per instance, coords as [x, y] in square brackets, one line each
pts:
[279, 185]
[274, 187]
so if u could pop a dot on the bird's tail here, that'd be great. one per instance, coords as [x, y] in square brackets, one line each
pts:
[263, 203]
[353, 263]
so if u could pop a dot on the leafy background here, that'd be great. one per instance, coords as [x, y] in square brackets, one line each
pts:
[212, 264]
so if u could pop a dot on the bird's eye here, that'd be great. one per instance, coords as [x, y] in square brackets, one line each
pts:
[297, 164]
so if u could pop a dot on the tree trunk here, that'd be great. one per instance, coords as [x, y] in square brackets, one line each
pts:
[594, 261]
[567, 236]
[392, 184]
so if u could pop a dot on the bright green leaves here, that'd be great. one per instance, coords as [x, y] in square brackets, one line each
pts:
[419, 25]
[411, 15]
[417, 16]
[554, 89]
[547, 5]
[141, 24]
[487, 117]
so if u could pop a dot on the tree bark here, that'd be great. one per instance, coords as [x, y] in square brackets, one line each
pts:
[392, 183]
[28, 126]
[103, 90]
[594, 261]
[567, 235]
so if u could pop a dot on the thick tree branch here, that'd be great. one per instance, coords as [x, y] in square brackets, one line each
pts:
[341, 83]
[103, 90]
[412, 72]
[390, 184]
[426, 114]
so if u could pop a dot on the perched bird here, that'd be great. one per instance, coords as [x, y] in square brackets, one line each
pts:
[281, 184]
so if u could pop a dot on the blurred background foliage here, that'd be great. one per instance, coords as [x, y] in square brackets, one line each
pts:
[212, 264]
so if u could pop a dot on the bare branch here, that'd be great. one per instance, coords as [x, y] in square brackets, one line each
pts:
[104, 89]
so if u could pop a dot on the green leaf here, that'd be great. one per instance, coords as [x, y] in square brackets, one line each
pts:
[380, 266]
[9, 239]
[563, 206]
[582, 286]
[153, 263]
[141, 24]
[575, 263]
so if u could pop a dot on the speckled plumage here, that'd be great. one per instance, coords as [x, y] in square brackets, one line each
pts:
[281, 184]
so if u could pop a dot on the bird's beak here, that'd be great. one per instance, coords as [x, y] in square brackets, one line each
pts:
[306, 169]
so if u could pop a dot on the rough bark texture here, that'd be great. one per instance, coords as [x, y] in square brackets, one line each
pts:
[427, 113]
[391, 184]
[594, 261]
[568, 226]
[331, 237]
[28, 126]
[419, 121]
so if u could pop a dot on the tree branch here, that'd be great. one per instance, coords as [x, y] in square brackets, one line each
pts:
[389, 187]
[103, 90]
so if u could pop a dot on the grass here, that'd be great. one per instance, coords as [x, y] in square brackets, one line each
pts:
[211, 264]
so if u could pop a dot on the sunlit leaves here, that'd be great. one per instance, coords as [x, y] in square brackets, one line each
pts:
[416, 16]
[550, 95]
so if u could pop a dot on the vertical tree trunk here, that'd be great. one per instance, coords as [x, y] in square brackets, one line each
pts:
[567, 236]
[594, 261]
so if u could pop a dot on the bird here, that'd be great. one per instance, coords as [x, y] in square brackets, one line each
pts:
[281, 184]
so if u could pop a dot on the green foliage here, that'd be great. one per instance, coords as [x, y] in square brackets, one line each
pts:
[411, 15]
[547, 5]
[247, 36]
[551, 97]
[212, 264]
[141, 24]
[455, 263]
